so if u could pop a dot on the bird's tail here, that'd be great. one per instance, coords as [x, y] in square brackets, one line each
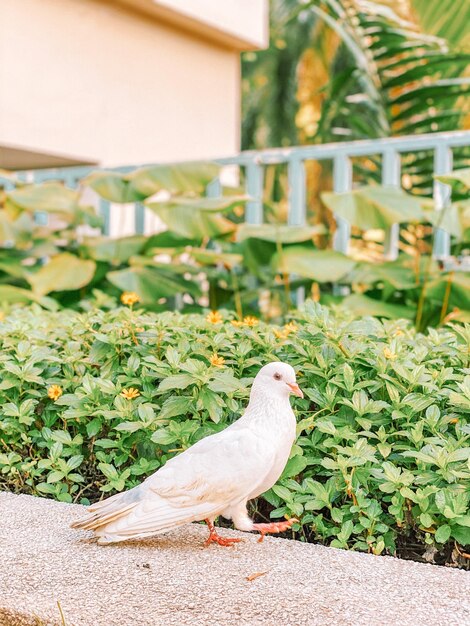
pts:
[109, 510]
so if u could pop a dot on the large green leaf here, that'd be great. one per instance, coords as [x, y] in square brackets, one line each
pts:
[64, 272]
[459, 295]
[151, 283]
[363, 305]
[394, 272]
[180, 178]
[195, 218]
[205, 205]
[281, 233]
[445, 18]
[324, 266]
[8, 293]
[167, 239]
[7, 230]
[458, 179]
[213, 257]
[113, 250]
[177, 178]
[375, 207]
[113, 186]
[455, 220]
[11, 263]
[46, 197]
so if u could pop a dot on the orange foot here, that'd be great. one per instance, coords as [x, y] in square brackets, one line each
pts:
[274, 527]
[214, 537]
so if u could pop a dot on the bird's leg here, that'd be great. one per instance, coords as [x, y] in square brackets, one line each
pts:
[214, 537]
[274, 527]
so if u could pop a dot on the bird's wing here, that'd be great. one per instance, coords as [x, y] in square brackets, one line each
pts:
[199, 483]
[219, 469]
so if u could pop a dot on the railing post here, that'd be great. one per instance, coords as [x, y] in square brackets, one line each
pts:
[214, 188]
[297, 206]
[441, 195]
[139, 218]
[297, 212]
[391, 173]
[254, 188]
[342, 182]
[105, 212]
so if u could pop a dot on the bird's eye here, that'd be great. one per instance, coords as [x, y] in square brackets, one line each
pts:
[277, 377]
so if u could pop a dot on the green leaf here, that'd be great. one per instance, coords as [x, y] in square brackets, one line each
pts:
[150, 284]
[178, 178]
[363, 305]
[93, 427]
[62, 436]
[196, 218]
[375, 207]
[212, 257]
[283, 492]
[295, 466]
[114, 187]
[163, 437]
[426, 520]
[12, 294]
[442, 533]
[115, 251]
[461, 534]
[178, 381]
[45, 197]
[129, 427]
[108, 470]
[55, 477]
[175, 405]
[213, 404]
[321, 265]
[64, 272]
[458, 179]
[281, 233]
[225, 382]
[74, 461]
[146, 412]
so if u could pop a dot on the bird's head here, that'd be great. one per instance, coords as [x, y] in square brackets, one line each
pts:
[277, 379]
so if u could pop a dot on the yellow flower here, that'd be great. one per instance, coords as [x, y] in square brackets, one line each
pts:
[140, 330]
[54, 392]
[291, 327]
[214, 317]
[280, 334]
[398, 332]
[249, 320]
[129, 298]
[454, 420]
[2, 316]
[130, 393]
[388, 354]
[217, 361]
[236, 323]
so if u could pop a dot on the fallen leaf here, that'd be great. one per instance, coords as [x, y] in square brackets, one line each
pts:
[255, 575]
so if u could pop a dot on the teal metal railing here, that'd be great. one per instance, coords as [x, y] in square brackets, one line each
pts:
[342, 154]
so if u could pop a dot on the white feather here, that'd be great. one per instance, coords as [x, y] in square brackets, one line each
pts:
[216, 476]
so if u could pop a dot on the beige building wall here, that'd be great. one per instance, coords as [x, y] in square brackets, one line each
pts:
[91, 81]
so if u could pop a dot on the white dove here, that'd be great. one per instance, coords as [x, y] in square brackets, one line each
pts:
[216, 476]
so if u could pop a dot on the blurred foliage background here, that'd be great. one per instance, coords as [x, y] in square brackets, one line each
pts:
[340, 70]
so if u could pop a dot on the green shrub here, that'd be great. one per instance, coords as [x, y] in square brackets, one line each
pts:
[93, 402]
[208, 256]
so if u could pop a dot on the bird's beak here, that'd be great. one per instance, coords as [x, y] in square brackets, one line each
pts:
[295, 389]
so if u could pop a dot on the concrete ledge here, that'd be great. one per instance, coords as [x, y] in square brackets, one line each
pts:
[173, 581]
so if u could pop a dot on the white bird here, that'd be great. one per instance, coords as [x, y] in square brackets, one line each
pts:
[216, 476]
